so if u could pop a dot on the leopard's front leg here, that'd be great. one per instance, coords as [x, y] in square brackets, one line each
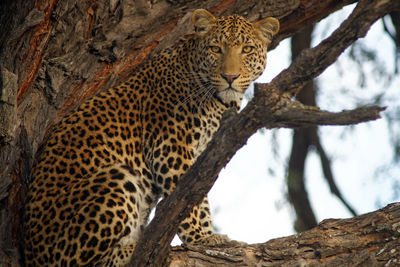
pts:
[197, 228]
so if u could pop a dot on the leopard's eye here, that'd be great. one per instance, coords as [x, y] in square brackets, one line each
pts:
[248, 49]
[215, 49]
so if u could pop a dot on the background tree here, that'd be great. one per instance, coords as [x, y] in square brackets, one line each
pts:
[306, 140]
[54, 54]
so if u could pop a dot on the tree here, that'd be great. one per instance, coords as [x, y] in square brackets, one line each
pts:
[303, 140]
[55, 54]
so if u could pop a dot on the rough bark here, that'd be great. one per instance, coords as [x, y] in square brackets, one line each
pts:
[369, 240]
[54, 54]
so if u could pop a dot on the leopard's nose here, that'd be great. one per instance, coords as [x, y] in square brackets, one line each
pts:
[230, 77]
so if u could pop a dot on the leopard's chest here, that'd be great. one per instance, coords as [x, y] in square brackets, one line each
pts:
[206, 130]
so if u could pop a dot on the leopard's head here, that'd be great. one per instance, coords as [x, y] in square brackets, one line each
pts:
[231, 52]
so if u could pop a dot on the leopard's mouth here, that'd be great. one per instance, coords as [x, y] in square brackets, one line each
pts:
[230, 96]
[231, 88]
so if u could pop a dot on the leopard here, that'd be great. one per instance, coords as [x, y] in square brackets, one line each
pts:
[107, 163]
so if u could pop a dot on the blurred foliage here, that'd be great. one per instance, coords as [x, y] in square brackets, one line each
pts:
[368, 65]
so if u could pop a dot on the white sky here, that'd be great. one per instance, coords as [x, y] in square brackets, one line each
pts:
[248, 200]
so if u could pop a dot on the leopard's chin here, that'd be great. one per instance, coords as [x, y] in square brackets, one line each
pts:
[230, 97]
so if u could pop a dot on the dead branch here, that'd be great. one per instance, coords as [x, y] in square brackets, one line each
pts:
[295, 115]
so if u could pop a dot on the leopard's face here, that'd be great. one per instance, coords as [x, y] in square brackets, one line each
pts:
[231, 53]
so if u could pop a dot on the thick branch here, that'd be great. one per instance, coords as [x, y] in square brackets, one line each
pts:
[371, 239]
[236, 129]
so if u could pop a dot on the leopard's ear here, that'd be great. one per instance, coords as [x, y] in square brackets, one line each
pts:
[267, 28]
[202, 20]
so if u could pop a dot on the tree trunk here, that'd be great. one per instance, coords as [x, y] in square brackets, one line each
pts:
[54, 54]
[301, 143]
[304, 139]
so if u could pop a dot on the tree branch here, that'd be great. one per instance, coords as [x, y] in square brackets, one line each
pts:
[235, 129]
[296, 115]
[371, 239]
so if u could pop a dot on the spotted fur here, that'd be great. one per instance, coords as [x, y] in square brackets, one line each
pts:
[107, 163]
